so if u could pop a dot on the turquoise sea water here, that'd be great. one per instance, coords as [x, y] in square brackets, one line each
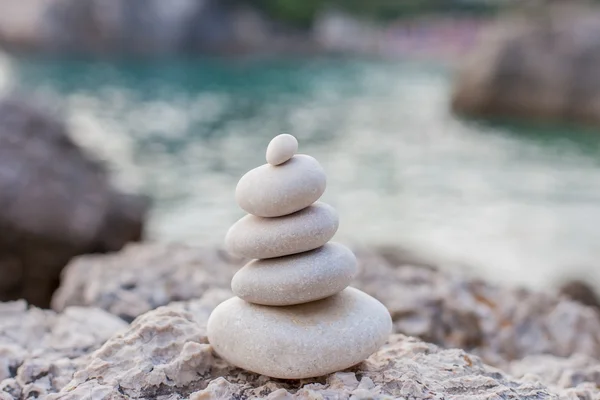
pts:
[517, 203]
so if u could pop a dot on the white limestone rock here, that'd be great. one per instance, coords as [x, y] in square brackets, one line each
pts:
[165, 355]
[273, 191]
[256, 237]
[298, 278]
[577, 376]
[496, 323]
[143, 277]
[163, 350]
[40, 349]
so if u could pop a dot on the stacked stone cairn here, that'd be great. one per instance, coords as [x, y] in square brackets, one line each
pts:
[294, 315]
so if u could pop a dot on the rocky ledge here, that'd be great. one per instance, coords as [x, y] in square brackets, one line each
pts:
[498, 324]
[165, 354]
[40, 349]
[514, 344]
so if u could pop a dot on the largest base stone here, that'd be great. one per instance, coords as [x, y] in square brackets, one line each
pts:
[300, 341]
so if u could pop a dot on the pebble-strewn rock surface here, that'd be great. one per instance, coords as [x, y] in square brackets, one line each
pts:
[499, 324]
[40, 349]
[178, 363]
[576, 377]
[164, 354]
[143, 277]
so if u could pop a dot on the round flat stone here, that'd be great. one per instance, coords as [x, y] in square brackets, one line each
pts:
[257, 237]
[301, 341]
[298, 278]
[281, 148]
[273, 191]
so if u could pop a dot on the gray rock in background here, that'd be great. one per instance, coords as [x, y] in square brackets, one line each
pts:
[581, 292]
[40, 349]
[143, 277]
[56, 202]
[165, 354]
[542, 64]
[537, 338]
[576, 377]
[498, 324]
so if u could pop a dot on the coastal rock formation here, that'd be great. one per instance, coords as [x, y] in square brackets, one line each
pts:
[40, 349]
[144, 28]
[178, 363]
[57, 203]
[143, 277]
[581, 292]
[294, 316]
[498, 324]
[577, 376]
[542, 64]
[552, 342]
[165, 354]
[133, 26]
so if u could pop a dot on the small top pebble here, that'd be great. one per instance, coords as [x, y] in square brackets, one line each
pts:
[281, 148]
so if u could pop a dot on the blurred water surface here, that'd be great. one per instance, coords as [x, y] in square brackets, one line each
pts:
[518, 203]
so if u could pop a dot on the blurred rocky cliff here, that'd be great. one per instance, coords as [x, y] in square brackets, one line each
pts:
[135, 28]
[540, 63]
[56, 202]
[517, 344]
[141, 27]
